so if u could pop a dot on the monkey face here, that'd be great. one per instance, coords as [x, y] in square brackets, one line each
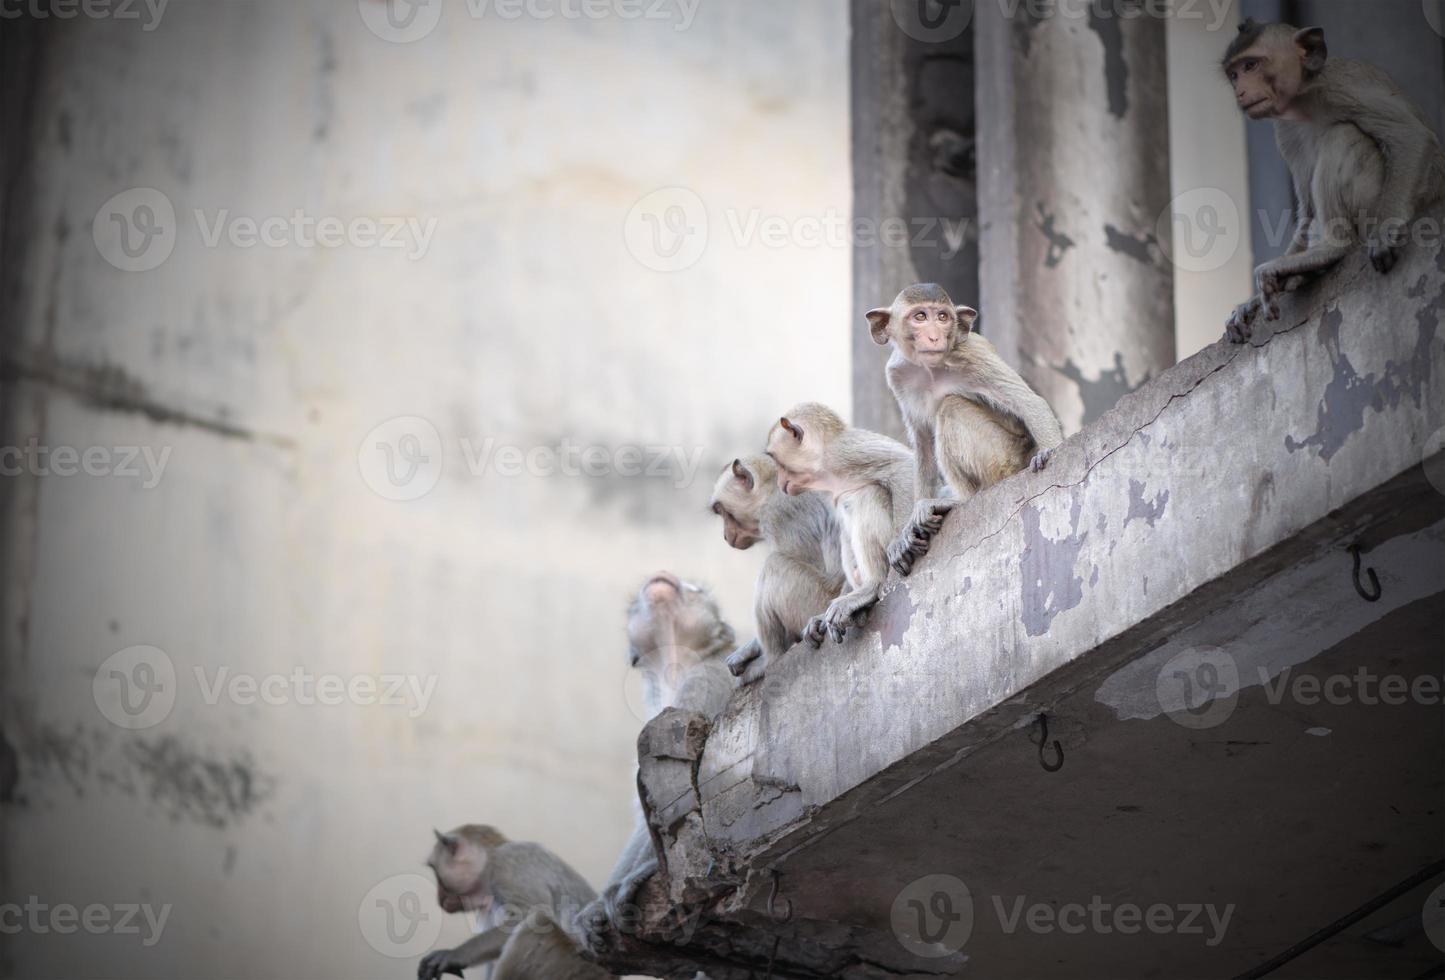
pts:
[458, 865]
[738, 498]
[670, 619]
[923, 324]
[1268, 76]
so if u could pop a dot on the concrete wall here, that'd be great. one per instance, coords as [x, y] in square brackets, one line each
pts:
[544, 294]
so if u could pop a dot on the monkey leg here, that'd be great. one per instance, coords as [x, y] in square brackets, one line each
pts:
[1291, 271]
[481, 948]
[539, 950]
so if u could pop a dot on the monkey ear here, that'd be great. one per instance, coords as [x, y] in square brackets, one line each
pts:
[741, 472]
[878, 326]
[967, 317]
[448, 841]
[1313, 49]
[796, 432]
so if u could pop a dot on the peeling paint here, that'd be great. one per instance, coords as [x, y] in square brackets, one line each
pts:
[1142, 248]
[1341, 411]
[1047, 583]
[1116, 68]
[896, 615]
[1059, 243]
[1102, 393]
[1146, 510]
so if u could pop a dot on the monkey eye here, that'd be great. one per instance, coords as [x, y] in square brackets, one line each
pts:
[1250, 65]
[943, 315]
[920, 315]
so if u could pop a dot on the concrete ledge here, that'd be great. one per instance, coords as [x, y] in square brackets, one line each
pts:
[1240, 467]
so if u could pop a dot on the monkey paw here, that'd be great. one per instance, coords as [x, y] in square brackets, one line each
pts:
[1240, 325]
[845, 611]
[816, 630]
[596, 926]
[439, 963]
[743, 657]
[900, 553]
[1040, 460]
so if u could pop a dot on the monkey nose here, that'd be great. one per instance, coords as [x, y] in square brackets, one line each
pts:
[662, 587]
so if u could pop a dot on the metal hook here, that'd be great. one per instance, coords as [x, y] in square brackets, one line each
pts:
[1370, 574]
[1043, 722]
[773, 902]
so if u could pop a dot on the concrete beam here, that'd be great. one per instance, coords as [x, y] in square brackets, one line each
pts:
[1073, 170]
[1209, 511]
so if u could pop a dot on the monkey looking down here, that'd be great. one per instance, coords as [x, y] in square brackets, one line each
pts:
[1363, 158]
[967, 412]
[870, 478]
[531, 894]
[803, 573]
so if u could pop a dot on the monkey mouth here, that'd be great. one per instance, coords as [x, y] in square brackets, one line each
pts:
[1249, 109]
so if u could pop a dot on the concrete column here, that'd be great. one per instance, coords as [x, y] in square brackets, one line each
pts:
[914, 176]
[1073, 162]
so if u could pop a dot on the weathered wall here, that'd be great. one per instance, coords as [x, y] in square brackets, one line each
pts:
[541, 310]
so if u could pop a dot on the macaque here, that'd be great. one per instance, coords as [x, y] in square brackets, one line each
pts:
[678, 640]
[870, 479]
[967, 413]
[529, 897]
[1364, 160]
[803, 573]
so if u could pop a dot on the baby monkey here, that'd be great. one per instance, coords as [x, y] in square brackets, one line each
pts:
[870, 478]
[967, 412]
[530, 898]
[803, 572]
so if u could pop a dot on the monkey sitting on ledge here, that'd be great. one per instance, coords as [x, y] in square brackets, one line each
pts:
[1364, 160]
[804, 571]
[966, 411]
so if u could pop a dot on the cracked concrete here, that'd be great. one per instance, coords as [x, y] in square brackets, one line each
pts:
[1034, 596]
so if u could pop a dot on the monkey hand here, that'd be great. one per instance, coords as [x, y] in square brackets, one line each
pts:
[1385, 245]
[848, 610]
[741, 658]
[595, 926]
[913, 542]
[816, 629]
[439, 963]
[1240, 325]
[1040, 460]
[621, 899]
[1271, 286]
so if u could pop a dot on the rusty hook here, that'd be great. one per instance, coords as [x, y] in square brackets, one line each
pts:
[1370, 574]
[773, 902]
[1058, 763]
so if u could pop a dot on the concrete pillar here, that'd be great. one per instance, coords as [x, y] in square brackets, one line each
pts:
[1073, 163]
[914, 176]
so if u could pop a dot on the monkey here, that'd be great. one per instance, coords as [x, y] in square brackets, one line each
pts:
[529, 895]
[678, 639]
[967, 413]
[870, 478]
[801, 575]
[1363, 158]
